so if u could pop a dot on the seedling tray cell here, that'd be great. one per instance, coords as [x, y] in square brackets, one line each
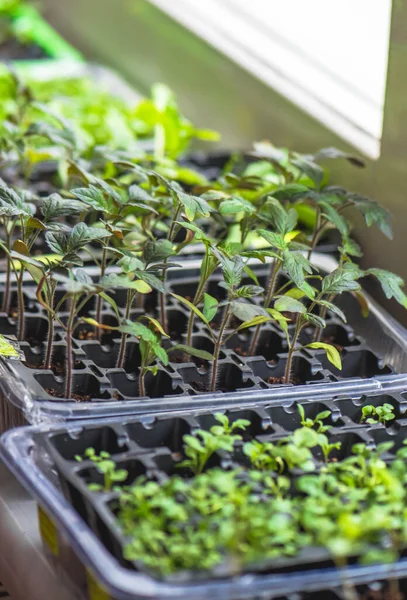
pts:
[44, 460]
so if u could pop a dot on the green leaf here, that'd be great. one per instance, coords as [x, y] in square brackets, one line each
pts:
[55, 206]
[194, 443]
[138, 330]
[339, 281]
[235, 205]
[151, 280]
[160, 353]
[139, 194]
[282, 220]
[156, 324]
[60, 137]
[276, 240]
[81, 284]
[35, 268]
[94, 323]
[203, 354]
[334, 217]
[334, 153]
[391, 284]
[114, 280]
[82, 234]
[251, 274]
[193, 205]
[199, 234]
[157, 251]
[288, 304]
[373, 213]
[350, 248]
[315, 320]
[232, 268]
[310, 168]
[129, 263]
[331, 352]
[296, 266]
[245, 311]
[363, 303]
[192, 307]
[259, 320]
[92, 196]
[112, 303]
[34, 223]
[335, 309]
[210, 307]
[108, 189]
[249, 291]
[295, 293]
[8, 349]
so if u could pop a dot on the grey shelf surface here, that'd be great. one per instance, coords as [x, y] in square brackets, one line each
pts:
[25, 570]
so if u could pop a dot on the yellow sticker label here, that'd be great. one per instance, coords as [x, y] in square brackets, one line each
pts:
[49, 532]
[95, 590]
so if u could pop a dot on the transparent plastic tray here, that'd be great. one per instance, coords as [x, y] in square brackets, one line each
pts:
[94, 570]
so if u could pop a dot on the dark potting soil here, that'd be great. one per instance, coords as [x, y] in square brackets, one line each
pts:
[75, 397]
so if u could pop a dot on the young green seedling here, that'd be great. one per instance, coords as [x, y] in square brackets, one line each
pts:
[377, 414]
[114, 204]
[201, 445]
[209, 264]
[234, 305]
[318, 422]
[79, 289]
[339, 281]
[105, 465]
[182, 204]
[52, 208]
[17, 213]
[286, 255]
[150, 343]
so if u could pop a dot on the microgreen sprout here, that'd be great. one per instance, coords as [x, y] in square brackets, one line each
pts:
[105, 465]
[377, 414]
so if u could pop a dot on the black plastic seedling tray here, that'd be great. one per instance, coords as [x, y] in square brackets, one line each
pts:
[82, 522]
[373, 352]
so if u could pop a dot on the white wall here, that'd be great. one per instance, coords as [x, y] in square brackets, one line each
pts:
[327, 56]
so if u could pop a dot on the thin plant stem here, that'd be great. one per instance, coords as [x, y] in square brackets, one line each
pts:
[69, 357]
[217, 348]
[191, 320]
[322, 314]
[6, 296]
[7, 285]
[315, 235]
[163, 310]
[300, 324]
[142, 389]
[123, 342]
[318, 233]
[50, 315]
[275, 269]
[50, 340]
[99, 298]
[21, 310]
[291, 351]
[163, 303]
